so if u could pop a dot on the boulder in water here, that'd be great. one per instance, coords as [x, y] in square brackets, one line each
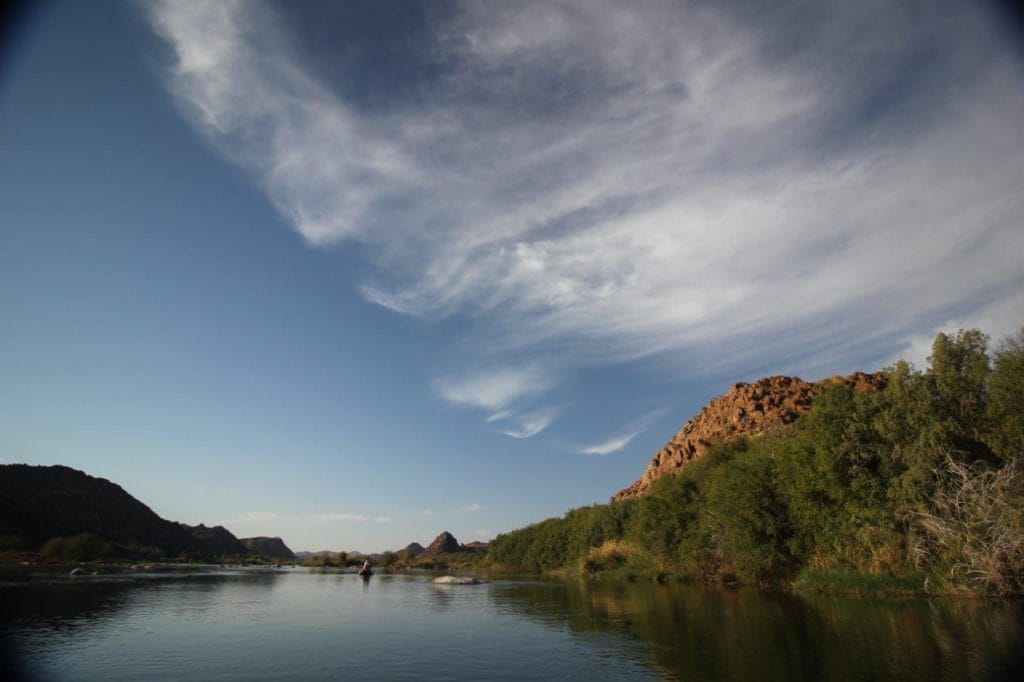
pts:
[456, 580]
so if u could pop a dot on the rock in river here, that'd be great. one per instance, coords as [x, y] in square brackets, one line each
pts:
[455, 580]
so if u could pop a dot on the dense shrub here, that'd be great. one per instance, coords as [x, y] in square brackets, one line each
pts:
[919, 479]
[82, 547]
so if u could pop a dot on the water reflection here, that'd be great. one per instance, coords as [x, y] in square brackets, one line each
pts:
[35, 612]
[696, 634]
[242, 625]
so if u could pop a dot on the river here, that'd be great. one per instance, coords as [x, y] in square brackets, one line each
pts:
[273, 624]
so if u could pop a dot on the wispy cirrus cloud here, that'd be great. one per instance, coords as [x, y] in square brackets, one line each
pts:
[607, 182]
[529, 424]
[234, 75]
[999, 320]
[474, 507]
[621, 440]
[609, 446]
[257, 517]
[495, 388]
[318, 519]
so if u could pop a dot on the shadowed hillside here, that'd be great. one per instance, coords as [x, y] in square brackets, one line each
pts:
[41, 503]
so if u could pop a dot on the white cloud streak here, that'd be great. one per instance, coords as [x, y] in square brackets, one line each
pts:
[998, 320]
[317, 519]
[618, 181]
[494, 389]
[618, 442]
[609, 446]
[257, 517]
[530, 424]
[334, 517]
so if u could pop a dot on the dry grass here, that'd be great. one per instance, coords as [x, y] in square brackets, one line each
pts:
[975, 528]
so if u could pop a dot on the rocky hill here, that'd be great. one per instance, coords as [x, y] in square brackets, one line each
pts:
[412, 549]
[746, 410]
[268, 547]
[38, 503]
[216, 539]
[445, 543]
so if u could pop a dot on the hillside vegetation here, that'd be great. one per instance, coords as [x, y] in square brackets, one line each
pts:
[914, 487]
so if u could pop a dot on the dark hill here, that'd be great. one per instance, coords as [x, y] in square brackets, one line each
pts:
[38, 503]
[268, 547]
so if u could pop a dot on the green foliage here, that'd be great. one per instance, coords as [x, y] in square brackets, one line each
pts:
[746, 520]
[82, 547]
[327, 560]
[879, 489]
[959, 369]
[14, 542]
[847, 580]
[1005, 417]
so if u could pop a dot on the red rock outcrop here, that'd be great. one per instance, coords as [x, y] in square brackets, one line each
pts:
[445, 543]
[746, 410]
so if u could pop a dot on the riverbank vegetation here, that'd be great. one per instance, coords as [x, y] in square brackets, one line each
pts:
[917, 487]
[400, 561]
[90, 547]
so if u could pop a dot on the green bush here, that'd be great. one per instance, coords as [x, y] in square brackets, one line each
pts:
[919, 480]
[82, 547]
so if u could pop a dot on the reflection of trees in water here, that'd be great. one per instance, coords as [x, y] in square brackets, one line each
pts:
[41, 606]
[697, 634]
[33, 611]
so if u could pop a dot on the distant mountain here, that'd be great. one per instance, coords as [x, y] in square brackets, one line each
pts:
[412, 549]
[323, 554]
[445, 543]
[216, 540]
[268, 547]
[38, 503]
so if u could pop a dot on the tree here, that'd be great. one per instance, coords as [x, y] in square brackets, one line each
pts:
[959, 374]
[1006, 398]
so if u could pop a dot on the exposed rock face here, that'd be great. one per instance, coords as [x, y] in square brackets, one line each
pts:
[445, 543]
[43, 502]
[268, 547]
[475, 546]
[746, 410]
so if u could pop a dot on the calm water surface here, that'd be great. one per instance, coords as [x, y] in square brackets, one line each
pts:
[268, 625]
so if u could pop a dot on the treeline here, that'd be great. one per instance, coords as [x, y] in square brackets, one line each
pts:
[85, 547]
[399, 561]
[915, 487]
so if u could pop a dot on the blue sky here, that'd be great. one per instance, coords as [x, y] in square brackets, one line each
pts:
[357, 273]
